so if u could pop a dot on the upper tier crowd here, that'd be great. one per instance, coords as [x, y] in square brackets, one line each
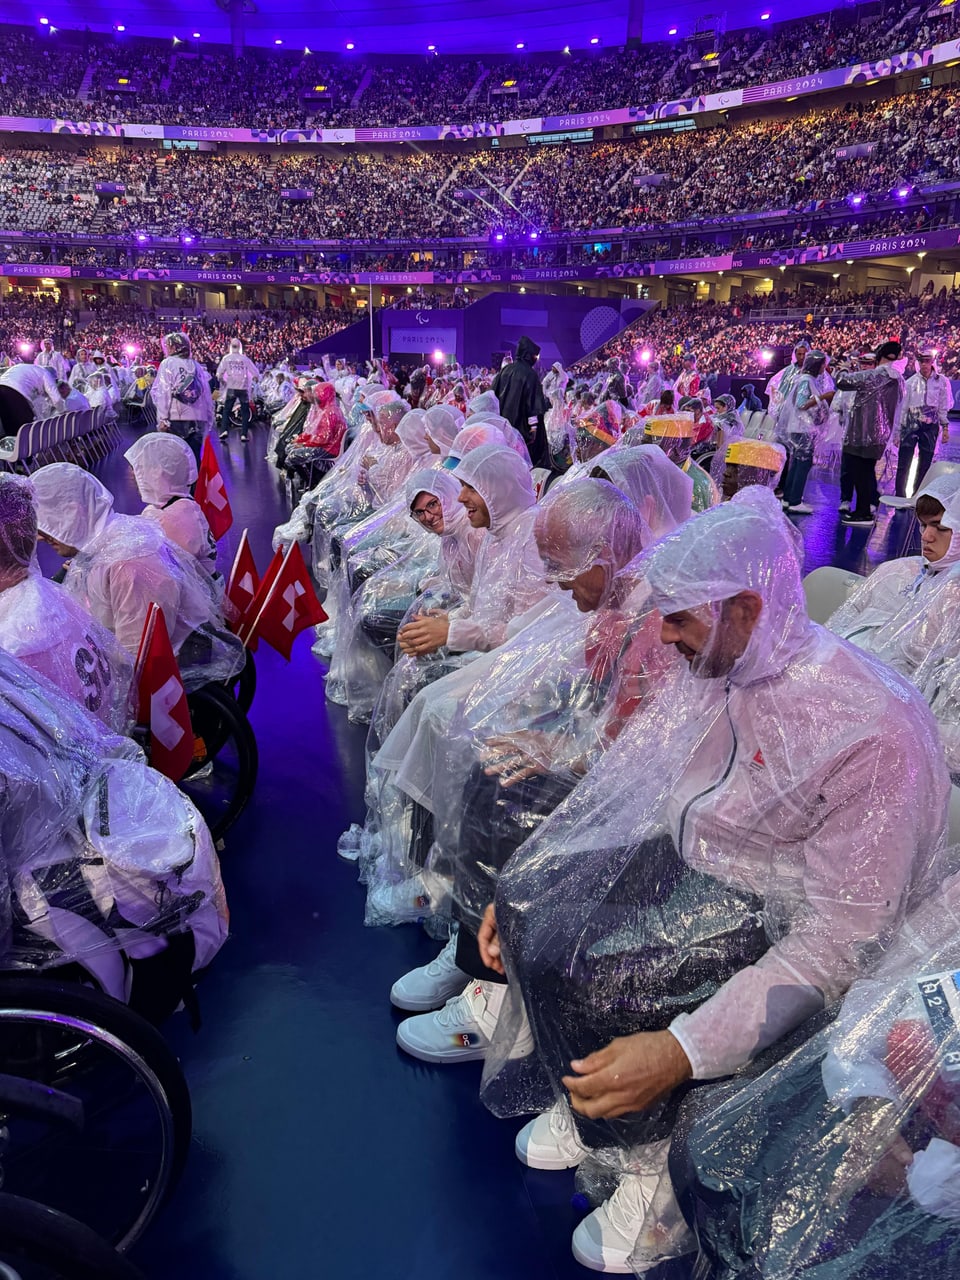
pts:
[187, 83]
[757, 166]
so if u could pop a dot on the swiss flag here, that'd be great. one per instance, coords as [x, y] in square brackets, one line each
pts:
[210, 493]
[246, 628]
[242, 584]
[162, 702]
[290, 605]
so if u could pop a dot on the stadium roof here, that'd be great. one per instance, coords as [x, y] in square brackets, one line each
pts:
[409, 26]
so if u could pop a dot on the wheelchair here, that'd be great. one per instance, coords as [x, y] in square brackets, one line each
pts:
[95, 1127]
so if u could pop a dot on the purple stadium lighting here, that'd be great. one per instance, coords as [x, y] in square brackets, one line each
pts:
[534, 235]
[119, 27]
[24, 348]
[764, 17]
[351, 45]
[521, 45]
[672, 31]
[644, 356]
[130, 349]
[594, 39]
[438, 356]
[856, 199]
[278, 41]
[431, 48]
[498, 236]
[44, 22]
[142, 237]
[196, 35]
[903, 192]
[766, 355]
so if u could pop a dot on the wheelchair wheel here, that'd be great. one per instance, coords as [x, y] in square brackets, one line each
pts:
[38, 1243]
[224, 773]
[245, 684]
[96, 1109]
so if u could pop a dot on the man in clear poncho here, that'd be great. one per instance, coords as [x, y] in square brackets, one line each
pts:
[166, 471]
[38, 386]
[752, 836]
[104, 862]
[181, 393]
[47, 630]
[237, 375]
[434, 571]
[906, 612]
[842, 1161]
[119, 565]
[928, 399]
[800, 423]
[544, 711]
[49, 358]
[82, 368]
[508, 580]
[871, 419]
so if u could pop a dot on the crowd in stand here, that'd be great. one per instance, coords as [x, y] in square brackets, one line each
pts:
[756, 166]
[187, 83]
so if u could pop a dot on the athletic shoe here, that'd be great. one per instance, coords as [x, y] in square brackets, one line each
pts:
[460, 1031]
[432, 985]
[244, 439]
[607, 1238]
[857, 521]
[223, 435]
[801, 509]
[550, 1141]
[844, 506]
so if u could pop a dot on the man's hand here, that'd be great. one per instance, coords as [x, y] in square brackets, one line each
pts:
[163, 424]
[945, 434]
[424, 634]
[488, 940]
[628, 1075]
[514, 757]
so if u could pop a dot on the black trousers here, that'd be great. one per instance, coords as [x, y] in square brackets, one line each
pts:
[858, 477]
[920, 439]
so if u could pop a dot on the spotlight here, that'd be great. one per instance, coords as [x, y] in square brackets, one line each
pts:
[672, 31]
[130, 349]
[566, 49]
[196, 35]
[766, 355]
[187, 238]
[142, 237]
[498, 237]
[44, 22]
[431, 48]
[120, 27]
[764, 17]
[278, 41]
[903, 192]
[438, 356]
[644, 356]
[24, 348]
[521, 45]
[351, 45]
[594, 39]
[534, 235]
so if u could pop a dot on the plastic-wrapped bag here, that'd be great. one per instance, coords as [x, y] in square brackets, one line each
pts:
[840, 1161]
[105, 860]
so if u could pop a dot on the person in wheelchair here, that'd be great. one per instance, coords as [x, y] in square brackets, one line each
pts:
[311, 454]
[166, 471]
[46, 629]
[118, 565]
[104, 865]
[750, 462]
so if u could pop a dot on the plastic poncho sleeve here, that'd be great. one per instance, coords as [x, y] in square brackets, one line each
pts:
[129, 589]
[529, 586]
[856, 875]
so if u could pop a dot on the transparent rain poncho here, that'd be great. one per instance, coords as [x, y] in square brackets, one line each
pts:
[659, 490]
[435, 571]
[674, 434]
[166, 471]
[551, 700]
[907, 613]
[842, 1160]
[872, 418]
[509, 579]
[123, 564]
[750, 463]
[102, 858]
[47, 630]
[756, 832]
[443, 423]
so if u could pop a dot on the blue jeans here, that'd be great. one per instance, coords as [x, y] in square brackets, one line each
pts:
[796, 479]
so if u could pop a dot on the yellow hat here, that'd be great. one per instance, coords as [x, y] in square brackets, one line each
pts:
[674, 426]
[756, 453]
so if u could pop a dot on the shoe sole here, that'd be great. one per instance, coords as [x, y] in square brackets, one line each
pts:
[597, 1264]
[549, 1166]
[445, 1057]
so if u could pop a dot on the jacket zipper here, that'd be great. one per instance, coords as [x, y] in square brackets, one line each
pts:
[720, 781]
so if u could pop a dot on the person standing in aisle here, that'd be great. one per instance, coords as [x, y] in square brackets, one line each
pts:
[237, 375]
[927, 402]
[872, 418]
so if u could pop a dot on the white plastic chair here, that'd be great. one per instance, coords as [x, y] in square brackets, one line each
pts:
[942, 468]
[826, 589]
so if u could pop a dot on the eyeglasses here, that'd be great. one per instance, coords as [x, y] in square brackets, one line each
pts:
[431, 508]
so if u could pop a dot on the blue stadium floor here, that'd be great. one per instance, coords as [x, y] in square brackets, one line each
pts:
[322, 1151]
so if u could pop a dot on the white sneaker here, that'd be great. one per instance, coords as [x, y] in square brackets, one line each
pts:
[801, 509]
[460, 1031]
[432, 985]
[607, 1238]
[844, 506]
[550, 1141]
